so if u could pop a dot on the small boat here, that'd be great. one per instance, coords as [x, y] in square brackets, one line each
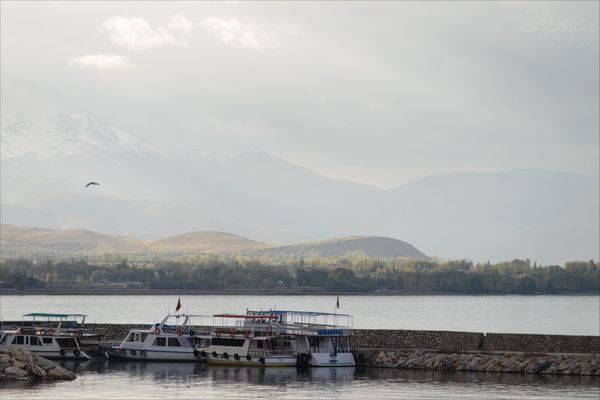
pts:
[172, 339]
[280, 338]
[51, 335]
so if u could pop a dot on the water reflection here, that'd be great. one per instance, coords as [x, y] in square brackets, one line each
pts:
[190, 372]
[109, 379]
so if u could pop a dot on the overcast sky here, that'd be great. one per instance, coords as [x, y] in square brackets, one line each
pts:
[379, 93]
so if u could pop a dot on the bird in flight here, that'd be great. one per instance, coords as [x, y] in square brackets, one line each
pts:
[92, 183]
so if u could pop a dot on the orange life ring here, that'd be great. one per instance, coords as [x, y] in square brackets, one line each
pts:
[246, 334]
[157, 331]
[218, 333]
[269, 329]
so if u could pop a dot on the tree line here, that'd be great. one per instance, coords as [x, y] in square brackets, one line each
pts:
[352, 273]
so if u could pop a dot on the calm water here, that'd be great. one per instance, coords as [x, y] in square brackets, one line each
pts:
[575, 315]
[139, 380]
[116, 380]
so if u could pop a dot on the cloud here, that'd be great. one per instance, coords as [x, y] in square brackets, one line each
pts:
[137, 34]
[233, 33]
[178, 23]
[102, 61]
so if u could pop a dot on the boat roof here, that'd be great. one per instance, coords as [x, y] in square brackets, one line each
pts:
[188, 315]
[310, 313]
[269, 316]
[53, 315]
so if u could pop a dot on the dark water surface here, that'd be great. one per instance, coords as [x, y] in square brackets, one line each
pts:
[155, 380]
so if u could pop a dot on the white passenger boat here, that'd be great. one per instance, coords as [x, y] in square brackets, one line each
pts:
[50, 335]
[172, 339]
[280, 338]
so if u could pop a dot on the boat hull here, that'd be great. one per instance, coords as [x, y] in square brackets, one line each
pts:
[151, 355]
[329, 360]
[268, 361]
[53, 354]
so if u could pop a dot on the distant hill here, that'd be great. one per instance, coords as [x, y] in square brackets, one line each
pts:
[372, 246]
[204, 241]
[17, 240]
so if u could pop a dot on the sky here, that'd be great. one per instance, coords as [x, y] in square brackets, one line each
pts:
[380, 93]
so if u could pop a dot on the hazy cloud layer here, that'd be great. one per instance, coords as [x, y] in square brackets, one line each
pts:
[380, 93]
[234, 33]
[108, 61]
[137, 34]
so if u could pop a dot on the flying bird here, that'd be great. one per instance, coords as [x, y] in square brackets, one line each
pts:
[92, 183]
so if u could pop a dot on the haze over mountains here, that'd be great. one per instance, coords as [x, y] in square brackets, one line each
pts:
[148, 192]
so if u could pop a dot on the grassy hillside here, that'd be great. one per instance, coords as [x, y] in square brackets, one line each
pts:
[373, 246]
[16, 240]
[203, 241]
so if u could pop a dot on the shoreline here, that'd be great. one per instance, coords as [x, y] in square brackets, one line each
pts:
[128, 291]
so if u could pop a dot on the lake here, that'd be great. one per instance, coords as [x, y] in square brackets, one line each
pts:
[576, 315]
[570, 315]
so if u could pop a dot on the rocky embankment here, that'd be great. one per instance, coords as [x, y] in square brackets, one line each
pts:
[560, 364]
[17, 364]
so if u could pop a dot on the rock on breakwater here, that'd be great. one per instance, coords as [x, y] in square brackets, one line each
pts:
[18, 364]
[559, 364]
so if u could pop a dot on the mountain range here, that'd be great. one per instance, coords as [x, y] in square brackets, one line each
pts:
[150, 192]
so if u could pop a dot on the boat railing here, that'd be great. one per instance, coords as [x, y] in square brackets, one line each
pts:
[180, 330]
[51, 331]
[106, 344]
[132, 346]
[320, 351]
[267, 353]
[258, 330]
[293, 330]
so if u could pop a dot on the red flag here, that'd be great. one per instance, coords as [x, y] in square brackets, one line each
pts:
[337, 303]
[178, 304]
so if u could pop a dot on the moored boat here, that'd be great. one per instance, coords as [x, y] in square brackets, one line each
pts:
[280, 338]
[172, 339]
[51, 335]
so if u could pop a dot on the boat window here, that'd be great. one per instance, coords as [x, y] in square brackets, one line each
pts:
[200, 342]
[34, 341]
[228, 342]
[129, 338]
[259, 344]
[144, 336]
[174, 342]
[160, 341]
[3, 339]
[18, 340]
[67, 343]
[47, 340]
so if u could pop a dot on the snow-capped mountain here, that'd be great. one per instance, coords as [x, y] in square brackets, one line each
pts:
[70, 135]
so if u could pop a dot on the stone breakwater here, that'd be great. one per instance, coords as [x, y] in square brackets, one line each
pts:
[471, 351]
[556, 364]
[449, 341]
[17, 364]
